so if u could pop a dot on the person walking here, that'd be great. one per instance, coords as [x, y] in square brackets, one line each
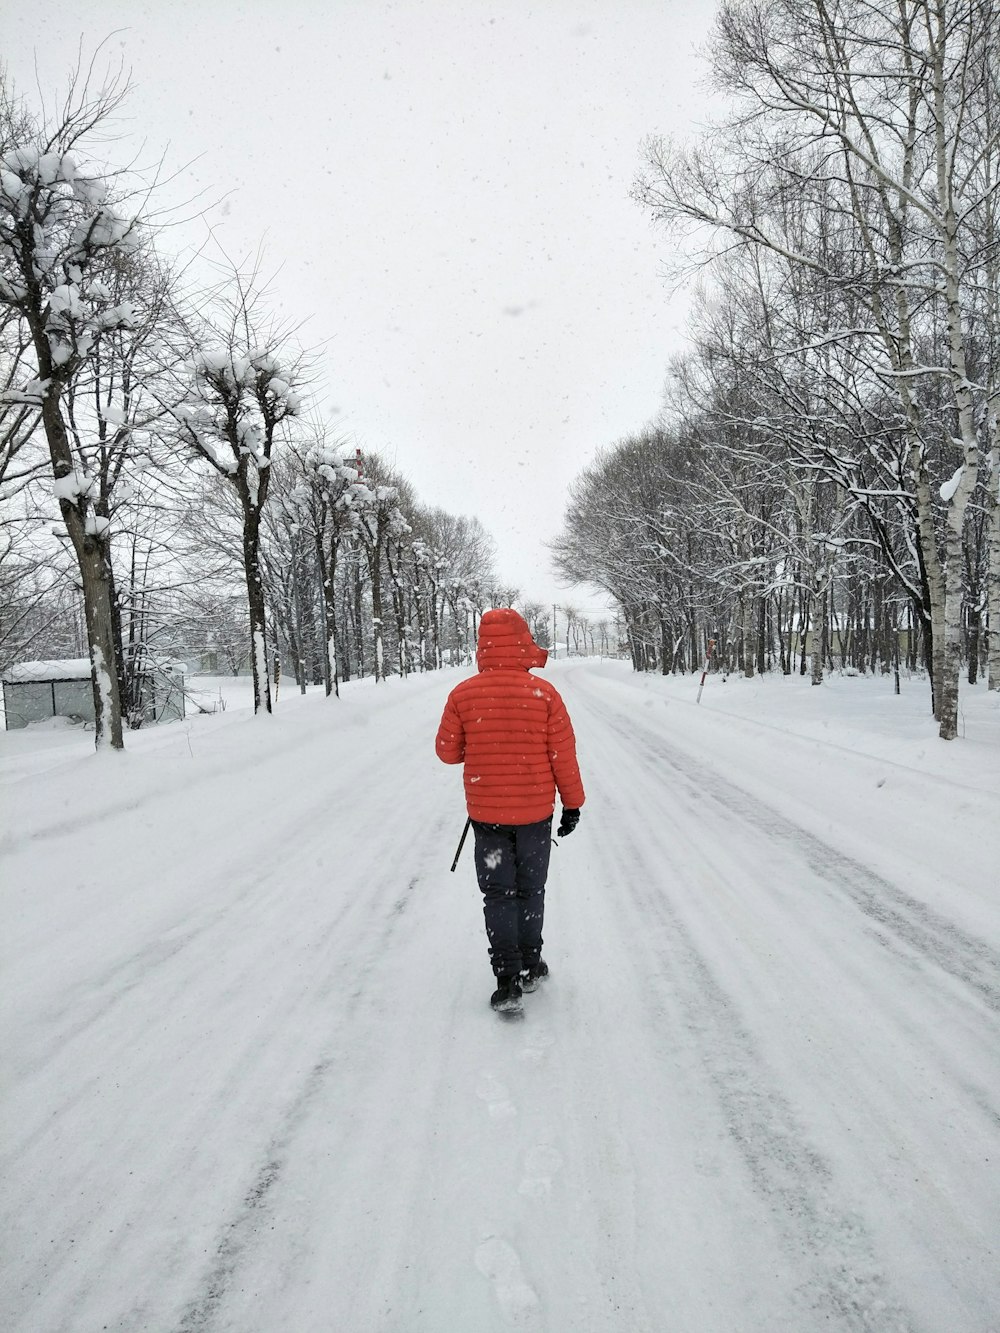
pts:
[511, 730]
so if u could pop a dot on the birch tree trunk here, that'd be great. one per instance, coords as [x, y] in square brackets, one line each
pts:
[375, 574]
[969, 471]
[331, 678]
[746, 634]
[993, 575]
[819, 633]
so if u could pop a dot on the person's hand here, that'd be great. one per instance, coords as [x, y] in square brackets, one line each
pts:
[569, 821]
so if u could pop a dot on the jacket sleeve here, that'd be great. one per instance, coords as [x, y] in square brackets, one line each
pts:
[450, 743]
[562, 755]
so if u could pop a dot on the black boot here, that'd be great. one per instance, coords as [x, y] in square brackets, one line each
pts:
[533, 974]
[506, 999]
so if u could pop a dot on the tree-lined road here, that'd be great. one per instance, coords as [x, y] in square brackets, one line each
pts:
[254, 1082]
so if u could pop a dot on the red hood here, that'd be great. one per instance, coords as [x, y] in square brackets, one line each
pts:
[505, 642]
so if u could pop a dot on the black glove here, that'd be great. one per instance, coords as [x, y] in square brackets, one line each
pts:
[569, 821]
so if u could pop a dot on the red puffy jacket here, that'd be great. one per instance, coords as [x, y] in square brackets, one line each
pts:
[511, 730]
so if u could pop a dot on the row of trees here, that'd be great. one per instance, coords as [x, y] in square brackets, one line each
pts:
[162, 425]
[829, 456]
[714, 553]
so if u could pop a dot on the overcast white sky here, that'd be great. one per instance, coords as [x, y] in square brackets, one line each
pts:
[444, 188]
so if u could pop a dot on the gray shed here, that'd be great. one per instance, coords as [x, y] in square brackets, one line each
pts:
[34, 691]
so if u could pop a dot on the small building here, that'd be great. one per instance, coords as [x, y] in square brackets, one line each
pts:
[36, 691]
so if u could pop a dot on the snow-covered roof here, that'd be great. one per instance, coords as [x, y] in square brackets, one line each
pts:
[72, 668]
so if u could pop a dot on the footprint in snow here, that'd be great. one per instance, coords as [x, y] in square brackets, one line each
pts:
[540, 1165]
[495, 1095]
[536, 1043]
[498, 1261]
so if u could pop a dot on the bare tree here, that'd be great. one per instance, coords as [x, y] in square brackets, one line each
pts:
[888, 111]
[333, 510]
[244, 386]
[59, 235]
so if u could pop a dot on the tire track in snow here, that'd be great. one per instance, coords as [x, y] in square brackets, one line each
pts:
[790, 1175]
[940, 941]
[374, 946]
[184, 974]
[100, 996]
[251, 1216]
[264, 861]
[912, 932]
[377, 916]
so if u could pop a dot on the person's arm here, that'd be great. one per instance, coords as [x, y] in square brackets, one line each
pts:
[562, 755]
[450, 743]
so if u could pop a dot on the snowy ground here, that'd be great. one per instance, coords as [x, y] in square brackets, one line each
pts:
[252, 1081]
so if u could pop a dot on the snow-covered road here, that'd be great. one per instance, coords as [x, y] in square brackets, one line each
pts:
[252, 1081]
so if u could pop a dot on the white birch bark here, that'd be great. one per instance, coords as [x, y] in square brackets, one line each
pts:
[331, 659]
[746, 633]
[993, 574]
[969, 472]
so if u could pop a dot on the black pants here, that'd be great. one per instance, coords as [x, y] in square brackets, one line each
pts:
[512, 864]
